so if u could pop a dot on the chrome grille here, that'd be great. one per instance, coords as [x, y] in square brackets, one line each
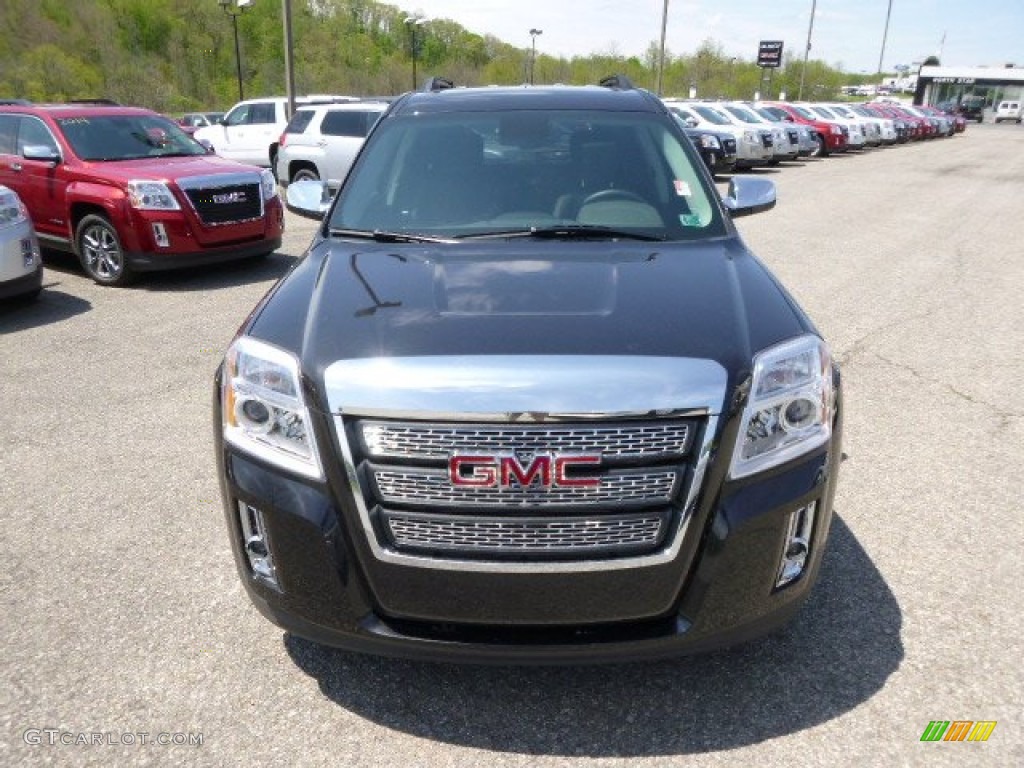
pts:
[228, 203]
[522, 536]
[433, 487]
[641, 440]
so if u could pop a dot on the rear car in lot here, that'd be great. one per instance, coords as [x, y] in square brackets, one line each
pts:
[1009, 110]
[528, 397]
[320, 142]
[21, 268]
[127, 191]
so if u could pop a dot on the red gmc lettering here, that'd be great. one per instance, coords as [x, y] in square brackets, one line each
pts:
[500, 471]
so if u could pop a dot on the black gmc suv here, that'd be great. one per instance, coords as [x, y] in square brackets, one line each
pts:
[528, 397]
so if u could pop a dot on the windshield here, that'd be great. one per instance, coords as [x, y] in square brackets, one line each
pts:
[806, 113]
[712, 115]
[745, 115]
[824, 113]
[126, 137]
[474, 174]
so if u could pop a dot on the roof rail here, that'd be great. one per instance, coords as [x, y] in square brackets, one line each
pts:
[14, 102]
[618, 82]
[435, 84]
[95, 102]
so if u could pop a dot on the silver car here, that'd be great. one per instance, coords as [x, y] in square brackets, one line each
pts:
[21, 268]
[321, 141]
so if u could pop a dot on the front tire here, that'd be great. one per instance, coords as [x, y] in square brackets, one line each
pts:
[305, 173]
[820, 147]
[99, 251]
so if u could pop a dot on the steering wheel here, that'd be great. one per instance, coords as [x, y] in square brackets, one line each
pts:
[609, 195]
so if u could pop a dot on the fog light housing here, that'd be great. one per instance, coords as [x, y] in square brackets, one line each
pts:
[797, 548]
[160, 235]
[257, 548]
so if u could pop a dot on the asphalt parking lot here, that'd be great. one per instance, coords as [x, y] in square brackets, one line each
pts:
[123, 615]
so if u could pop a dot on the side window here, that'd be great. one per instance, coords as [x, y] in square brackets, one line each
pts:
[238, 115]
[262, 113]
[300, 121]
[32, 132]
[344, 123]
[8, 134]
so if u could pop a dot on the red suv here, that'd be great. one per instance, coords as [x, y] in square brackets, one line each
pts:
[127, 191]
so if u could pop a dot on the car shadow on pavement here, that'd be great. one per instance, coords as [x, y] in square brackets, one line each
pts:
[52, 306]
[215, 276]
[201, 278]
[838, 653]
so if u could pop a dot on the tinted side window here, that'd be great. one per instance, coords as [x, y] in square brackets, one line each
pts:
[347, 123]
[300, 121]
[32, 132]
[8, 134]
[262, 113]
[239, 115]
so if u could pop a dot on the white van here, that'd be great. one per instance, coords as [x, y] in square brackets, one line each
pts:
[1009, 110]
[249, 131]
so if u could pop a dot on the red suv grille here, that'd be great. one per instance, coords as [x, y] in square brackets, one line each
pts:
[226, 204]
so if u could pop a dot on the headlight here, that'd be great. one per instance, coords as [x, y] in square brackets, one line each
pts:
[263, 411]
[12, 210]
[709, 142]
[835, 128]
[268, 184]
[789, 409]
[751, 137]
[151, 196]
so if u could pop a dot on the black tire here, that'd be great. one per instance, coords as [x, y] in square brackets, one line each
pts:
[305, 173]
[820, 146]
[100, 252]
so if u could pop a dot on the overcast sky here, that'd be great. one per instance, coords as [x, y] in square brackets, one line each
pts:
[846, 32]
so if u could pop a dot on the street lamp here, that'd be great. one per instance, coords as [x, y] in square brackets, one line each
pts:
[533, 52]
[234, 9]
[413, 22]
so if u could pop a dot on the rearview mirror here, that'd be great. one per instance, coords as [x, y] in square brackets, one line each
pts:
[309, 198]
[40, 152]
[749, 194]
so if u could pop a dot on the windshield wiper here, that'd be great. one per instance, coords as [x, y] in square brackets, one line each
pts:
[566, 232]
[381, 236]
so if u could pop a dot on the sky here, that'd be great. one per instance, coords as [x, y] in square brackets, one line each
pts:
[846, 32]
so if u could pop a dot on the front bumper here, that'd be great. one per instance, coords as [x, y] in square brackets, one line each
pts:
[721, 585]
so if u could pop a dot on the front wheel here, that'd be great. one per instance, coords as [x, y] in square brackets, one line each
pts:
[99, 250]
[305, 173]
[820, 147]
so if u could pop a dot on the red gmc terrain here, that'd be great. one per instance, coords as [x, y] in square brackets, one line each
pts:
[127, 191]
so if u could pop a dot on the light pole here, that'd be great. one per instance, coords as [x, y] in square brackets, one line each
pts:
[234, 9]
[533, 51]
[807, 51]
[414, 22]
[661, 53]
[885, 36]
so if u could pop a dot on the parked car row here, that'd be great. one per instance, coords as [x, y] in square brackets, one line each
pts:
[767, 133]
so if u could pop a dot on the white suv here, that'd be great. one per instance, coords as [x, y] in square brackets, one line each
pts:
[249, 131]
[320, 142]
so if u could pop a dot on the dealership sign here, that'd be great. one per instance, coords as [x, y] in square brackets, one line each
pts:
[769, 53]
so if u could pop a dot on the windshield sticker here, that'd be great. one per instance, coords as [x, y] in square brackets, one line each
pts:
[73, 120]
[690, 219]
[682, 188]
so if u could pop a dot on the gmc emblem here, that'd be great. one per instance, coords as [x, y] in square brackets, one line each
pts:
[230, 197]
[504, 471]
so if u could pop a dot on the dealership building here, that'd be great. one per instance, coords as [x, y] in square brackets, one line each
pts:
[993, 84]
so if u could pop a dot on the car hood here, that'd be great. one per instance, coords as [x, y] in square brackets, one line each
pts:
[167, 168]
[348, 300]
